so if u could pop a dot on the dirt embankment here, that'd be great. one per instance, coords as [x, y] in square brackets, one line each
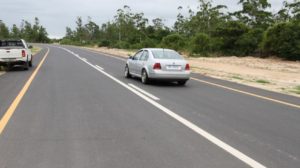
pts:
[270, 74]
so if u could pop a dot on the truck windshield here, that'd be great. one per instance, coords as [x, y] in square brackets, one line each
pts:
[11, 43]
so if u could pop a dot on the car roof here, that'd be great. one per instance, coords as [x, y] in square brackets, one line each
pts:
[157, 49]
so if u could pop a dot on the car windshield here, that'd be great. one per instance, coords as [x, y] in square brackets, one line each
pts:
[166, 54]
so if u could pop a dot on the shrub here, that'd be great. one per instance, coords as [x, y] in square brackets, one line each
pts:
[173, 41]
[200, 44]
[229, 34]
[249, 42]
[104, 43]
[121, 45]
[283, 40]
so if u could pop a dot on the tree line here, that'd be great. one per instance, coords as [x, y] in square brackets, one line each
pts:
[211, 30]
[35, 33]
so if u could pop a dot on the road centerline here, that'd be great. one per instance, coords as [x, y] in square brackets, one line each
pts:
[10, 111]
[231, 150]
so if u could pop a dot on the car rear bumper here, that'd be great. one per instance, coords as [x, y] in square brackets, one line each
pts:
[168, 75]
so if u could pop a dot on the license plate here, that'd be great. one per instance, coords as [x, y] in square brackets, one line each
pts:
[174, 67]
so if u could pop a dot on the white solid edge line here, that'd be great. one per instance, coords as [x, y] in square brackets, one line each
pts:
[99, 67]
[236, 153]
[144, 92]
[107, 55]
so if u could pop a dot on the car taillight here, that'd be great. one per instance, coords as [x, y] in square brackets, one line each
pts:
[23, 53]
[157, 66]
[187, 67]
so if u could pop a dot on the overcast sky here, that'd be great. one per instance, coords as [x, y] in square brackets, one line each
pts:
[55, 15]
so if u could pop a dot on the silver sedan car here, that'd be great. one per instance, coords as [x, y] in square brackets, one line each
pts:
[158, 64]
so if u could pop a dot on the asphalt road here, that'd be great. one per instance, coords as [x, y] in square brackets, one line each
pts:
[76, 114]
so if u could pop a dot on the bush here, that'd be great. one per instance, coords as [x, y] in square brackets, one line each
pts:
[104, 43]
[200, 44]
[173, 41]
[228, 35]
[146, 43]
[249, 42]
[283, 40]
[121, 45]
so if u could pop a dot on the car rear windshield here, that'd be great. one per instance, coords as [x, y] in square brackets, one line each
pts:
[166, 54]
[11, 43]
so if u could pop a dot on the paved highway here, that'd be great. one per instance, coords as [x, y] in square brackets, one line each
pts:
[76, 109]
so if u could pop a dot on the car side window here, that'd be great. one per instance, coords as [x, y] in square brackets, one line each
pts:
[137, 55]
[145, 56]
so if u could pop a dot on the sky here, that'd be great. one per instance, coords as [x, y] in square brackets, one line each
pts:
[56, 15]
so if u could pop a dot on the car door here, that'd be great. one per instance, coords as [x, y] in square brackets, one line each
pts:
[142, 61]
[133, 63]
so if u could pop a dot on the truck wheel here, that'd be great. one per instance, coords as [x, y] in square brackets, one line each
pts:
[30, 62]
[26, 65]
[8, 67]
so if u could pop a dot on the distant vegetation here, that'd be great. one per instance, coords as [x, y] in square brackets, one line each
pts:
[31, 33]
[209, 31]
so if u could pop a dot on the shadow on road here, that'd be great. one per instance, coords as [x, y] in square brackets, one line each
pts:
[158, 83]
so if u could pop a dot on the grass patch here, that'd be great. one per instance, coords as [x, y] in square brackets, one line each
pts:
[35, 50]
[296, 89]
[237, 77]
[262, 81]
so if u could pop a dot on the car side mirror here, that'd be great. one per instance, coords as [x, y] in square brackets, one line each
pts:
[30, 47]
[131, 57]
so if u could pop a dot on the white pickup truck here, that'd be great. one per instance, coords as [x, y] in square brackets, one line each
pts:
[15, 52]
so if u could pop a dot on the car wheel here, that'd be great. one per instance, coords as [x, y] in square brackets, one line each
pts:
[181, 83]
[26, 65]
[145, 79]
[30, 62]
[127, 73]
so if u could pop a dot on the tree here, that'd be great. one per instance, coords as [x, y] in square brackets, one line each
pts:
[200, 44]
[92, 29]
[283, 40]
[173, 41]
[80, 31]
[229, 34]
[254, 13]
[4, 31]
[15, 32]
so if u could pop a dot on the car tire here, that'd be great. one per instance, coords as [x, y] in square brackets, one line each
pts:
[126, 71]
[181, 83]
[26, 65]
[30, 62]
[144, 78]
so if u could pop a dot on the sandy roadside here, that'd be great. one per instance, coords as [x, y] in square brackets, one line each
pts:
[270, 74]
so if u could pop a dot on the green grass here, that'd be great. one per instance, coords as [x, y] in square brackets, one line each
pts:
[237, 77]
[262, 81]
[35, 50]
[296, 89]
